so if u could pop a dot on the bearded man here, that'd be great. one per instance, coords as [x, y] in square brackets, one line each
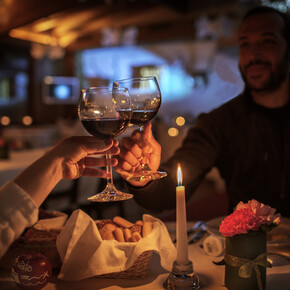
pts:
[247, 138]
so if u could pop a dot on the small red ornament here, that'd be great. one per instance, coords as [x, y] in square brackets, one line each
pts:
[31, 271]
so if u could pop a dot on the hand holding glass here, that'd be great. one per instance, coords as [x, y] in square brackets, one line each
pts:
[145, 100]
[106, 113]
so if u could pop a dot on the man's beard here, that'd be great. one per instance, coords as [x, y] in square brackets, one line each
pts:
[275, 79]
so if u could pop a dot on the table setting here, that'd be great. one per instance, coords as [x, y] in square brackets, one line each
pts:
[211, 276]
[178, 255]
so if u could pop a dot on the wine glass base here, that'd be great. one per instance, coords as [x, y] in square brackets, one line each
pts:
[112, 195]
[146, 175]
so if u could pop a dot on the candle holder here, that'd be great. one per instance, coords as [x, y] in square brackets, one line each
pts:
[182, 277]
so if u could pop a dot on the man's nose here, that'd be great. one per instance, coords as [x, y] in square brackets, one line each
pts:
[256, 50]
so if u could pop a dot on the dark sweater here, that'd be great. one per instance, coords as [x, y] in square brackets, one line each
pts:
[249, 144]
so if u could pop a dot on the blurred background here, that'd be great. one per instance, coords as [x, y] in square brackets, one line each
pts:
[51, 49]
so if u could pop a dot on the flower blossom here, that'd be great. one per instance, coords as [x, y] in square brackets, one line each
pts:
[251, 216]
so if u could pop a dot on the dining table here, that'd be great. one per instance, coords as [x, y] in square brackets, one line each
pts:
[205, 266]
[18, 161]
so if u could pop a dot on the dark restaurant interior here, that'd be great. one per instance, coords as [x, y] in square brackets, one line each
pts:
[50, 50]
[51, 53]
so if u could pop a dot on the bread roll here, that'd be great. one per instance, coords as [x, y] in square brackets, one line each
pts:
[127, 234]
[101, 223]
[122, 222]
[119, 235]
[136, 228]
[147, 229]
[135, 237]
[106, 232]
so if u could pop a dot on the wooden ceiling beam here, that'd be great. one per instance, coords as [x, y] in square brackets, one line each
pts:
[79, 24]
[23, 12]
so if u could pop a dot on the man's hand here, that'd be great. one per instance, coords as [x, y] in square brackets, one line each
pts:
[141, 143]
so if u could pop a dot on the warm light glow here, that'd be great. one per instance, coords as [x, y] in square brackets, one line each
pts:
[48, 80]
[5, 121]
[44, 25]
[179, 175]
[27, 120]
[32, 36]
[73, 21]
[173, 132]
[180, 121]
[68, 39]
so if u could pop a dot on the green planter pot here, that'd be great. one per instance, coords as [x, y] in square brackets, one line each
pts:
[246, 246]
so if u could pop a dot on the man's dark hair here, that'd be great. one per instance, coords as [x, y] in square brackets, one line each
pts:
[267, 9]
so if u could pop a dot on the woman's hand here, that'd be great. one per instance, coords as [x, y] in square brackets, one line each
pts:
[69, 159]
[77, 156]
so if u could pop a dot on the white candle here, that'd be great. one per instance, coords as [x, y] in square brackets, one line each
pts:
[181, 225]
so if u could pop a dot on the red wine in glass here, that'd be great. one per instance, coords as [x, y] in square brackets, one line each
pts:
[140, 117]
[106, 128]
[106, 113]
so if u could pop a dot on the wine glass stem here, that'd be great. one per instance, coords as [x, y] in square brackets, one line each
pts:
[109, 172]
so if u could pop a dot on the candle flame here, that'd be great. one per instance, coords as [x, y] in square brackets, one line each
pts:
[179, 175]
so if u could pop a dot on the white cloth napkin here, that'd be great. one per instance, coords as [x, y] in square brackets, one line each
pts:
[55, 223]
[84, 254]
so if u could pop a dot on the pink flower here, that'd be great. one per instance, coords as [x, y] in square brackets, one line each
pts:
[266, 212]
[248, 216]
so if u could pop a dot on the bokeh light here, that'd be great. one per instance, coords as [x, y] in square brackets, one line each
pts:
[27, 120]
[180, 121]
[5, 121]
[173, 132]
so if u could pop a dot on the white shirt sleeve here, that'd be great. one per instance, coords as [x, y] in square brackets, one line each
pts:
[17, 211]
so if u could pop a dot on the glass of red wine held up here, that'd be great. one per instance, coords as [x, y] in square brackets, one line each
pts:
[145, 100]
[105, 113]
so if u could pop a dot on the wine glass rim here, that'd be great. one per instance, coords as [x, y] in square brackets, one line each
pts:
[105, 89]
[136, 79]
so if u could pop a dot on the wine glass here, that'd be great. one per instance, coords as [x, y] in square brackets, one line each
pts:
[105, 113]
[145, 100]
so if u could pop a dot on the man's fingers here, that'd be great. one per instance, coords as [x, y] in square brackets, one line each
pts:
[123, 165]
[131, 146]
[143, 138]
[147, 132]
[128, 145]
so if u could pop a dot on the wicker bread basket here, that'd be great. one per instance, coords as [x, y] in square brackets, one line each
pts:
[44, 242]
[138, 270]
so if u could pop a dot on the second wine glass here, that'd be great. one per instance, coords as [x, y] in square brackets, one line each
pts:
[145, 100]
[106, 113]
